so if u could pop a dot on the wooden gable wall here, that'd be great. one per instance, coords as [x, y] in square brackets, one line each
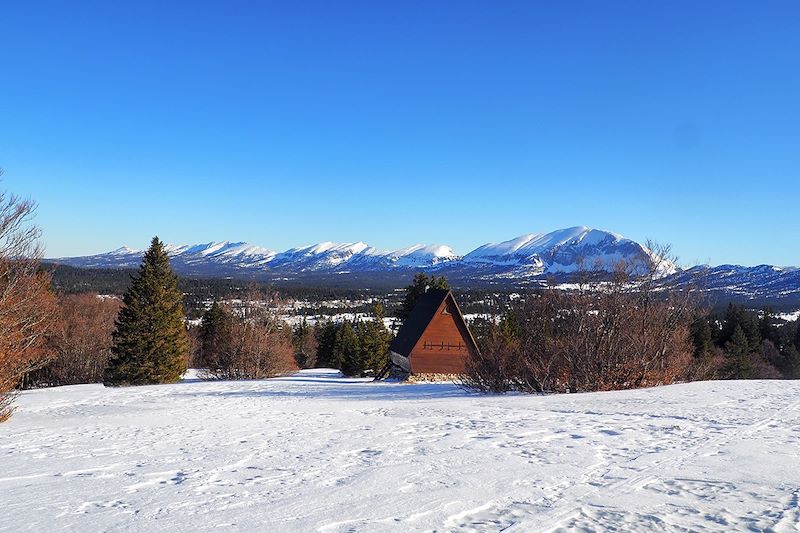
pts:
[445, 344]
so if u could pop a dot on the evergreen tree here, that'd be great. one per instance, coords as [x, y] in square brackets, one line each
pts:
[702, 337]
[740, 359]
[374, 339]
[305, 344]
[508, 327]
[791, 363]
[767, 326]
[797, 335]
[347, 354]
[418, 287]
[150, 340]
[215, 332]
[737, 316]
[326, 341]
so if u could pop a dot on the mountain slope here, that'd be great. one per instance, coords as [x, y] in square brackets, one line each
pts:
[759, 285]
[559, 252]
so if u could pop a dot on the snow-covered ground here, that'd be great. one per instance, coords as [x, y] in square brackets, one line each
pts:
[795, 315]
[315, 452]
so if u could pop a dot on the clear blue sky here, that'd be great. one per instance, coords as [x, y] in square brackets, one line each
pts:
[460, 123]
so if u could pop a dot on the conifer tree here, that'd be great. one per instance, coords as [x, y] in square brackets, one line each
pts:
[326, 340]
[347, 350]
[797, 335]
[375, 337]
[702, 337]
[418, 287]
[737, 316]
[150, 340]
[767, 327]
[740, 358]
[215, 333]
[791, 363]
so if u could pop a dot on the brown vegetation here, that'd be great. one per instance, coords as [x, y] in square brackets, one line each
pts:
[26, 304]
[255, 343]
[620, 334]
[80, 341]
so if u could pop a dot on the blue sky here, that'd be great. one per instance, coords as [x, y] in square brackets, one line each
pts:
[460, 123]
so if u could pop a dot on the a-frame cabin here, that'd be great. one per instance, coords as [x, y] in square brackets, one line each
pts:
[435, 338]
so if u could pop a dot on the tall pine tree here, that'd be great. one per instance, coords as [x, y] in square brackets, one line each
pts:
[150, 341]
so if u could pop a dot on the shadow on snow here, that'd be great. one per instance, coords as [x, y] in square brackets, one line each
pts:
[324, 385]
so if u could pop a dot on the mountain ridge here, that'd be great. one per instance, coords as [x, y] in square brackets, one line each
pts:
[526, 260]
[559, 251]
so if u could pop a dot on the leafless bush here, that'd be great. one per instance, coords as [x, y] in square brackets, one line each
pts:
[259, 344]
[195, 352]
[495, 368]
[709, 366]
[80, 340]
[626, 332]
[26, 304]
[305, 345]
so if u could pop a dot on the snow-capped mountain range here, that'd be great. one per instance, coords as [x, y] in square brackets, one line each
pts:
[561, 251]
[526, 259]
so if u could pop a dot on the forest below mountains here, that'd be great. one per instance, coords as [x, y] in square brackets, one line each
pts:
[200, 292]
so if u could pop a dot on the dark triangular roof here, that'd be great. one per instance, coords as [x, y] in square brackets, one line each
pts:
[419, 318]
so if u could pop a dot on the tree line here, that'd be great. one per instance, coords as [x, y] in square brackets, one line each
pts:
[746, 344]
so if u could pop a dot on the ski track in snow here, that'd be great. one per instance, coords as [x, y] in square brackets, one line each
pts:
[316, 452]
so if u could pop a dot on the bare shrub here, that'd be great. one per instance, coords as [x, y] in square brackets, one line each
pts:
[625, 332]
[495, 367]
[80, 340]
[195, 356]
[766, 362]
[305, 344]
[259, 343]
[709, 366]
[26, 303]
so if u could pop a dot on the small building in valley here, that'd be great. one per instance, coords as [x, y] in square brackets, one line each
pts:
[435, 339]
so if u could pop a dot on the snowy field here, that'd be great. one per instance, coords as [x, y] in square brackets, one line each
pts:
[315, 452]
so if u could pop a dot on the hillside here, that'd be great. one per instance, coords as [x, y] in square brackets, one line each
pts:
[315, 452]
